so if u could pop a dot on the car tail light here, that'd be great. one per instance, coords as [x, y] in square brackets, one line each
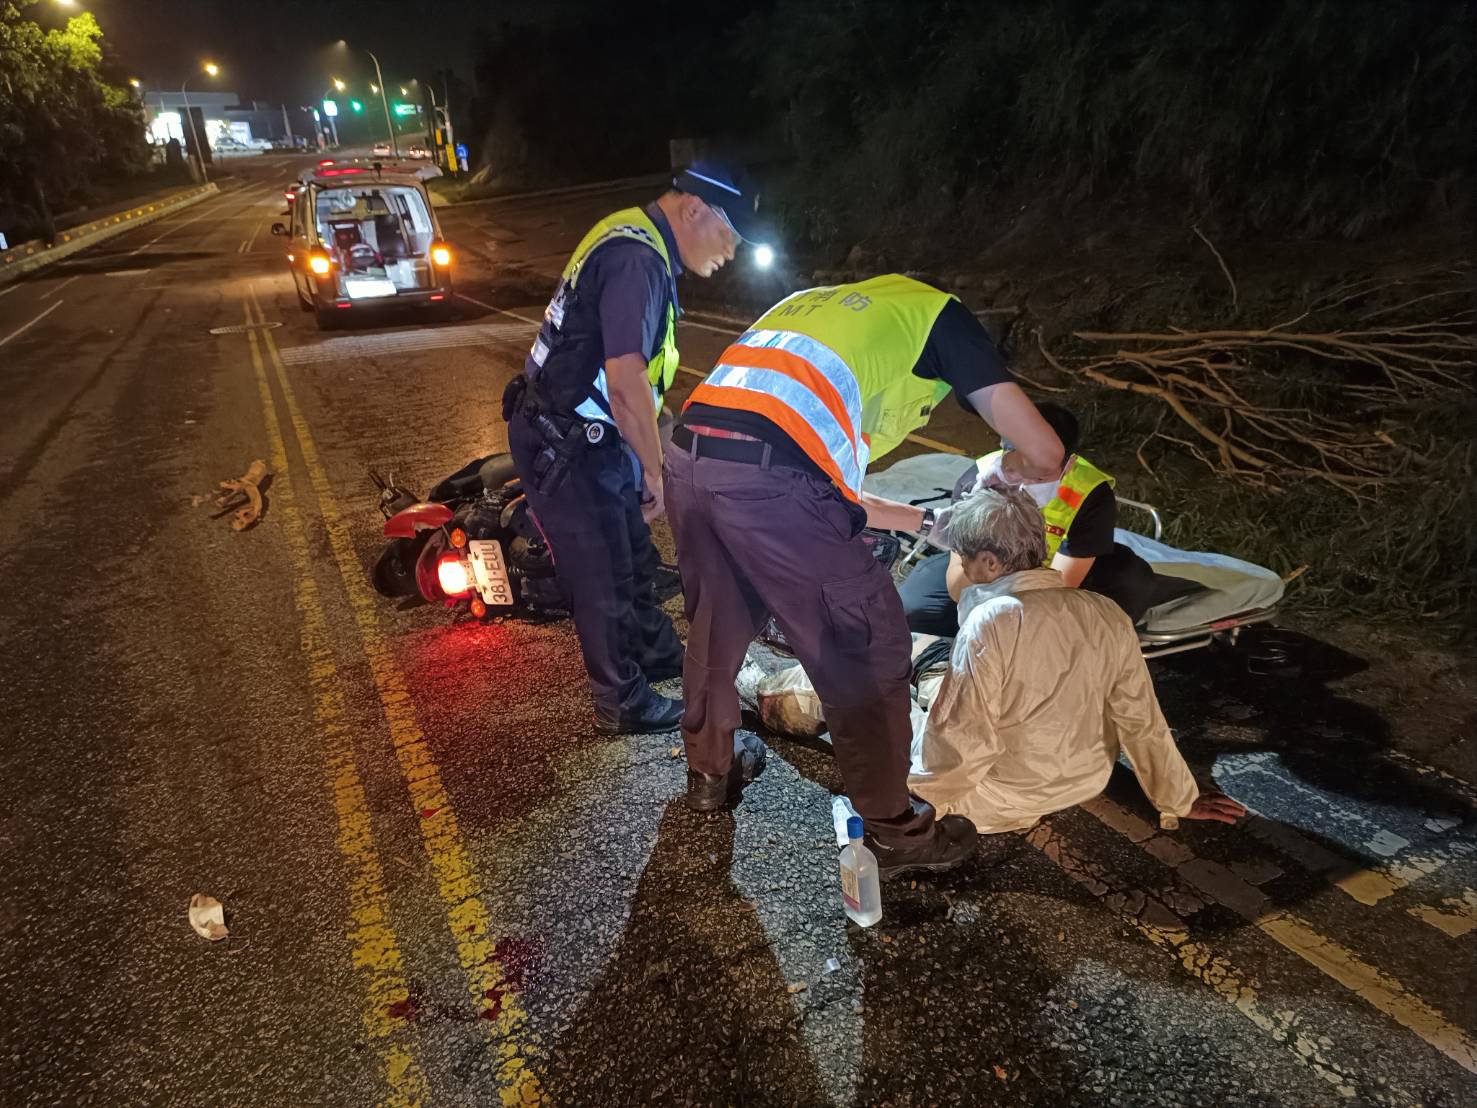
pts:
[451, 575]
[441, 254]
[290, 194]
[319, 263]
[325, 161]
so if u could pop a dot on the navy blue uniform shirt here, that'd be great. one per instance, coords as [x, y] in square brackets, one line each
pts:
[623, 294]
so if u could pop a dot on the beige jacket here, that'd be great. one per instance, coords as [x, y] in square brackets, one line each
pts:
[1045, 686]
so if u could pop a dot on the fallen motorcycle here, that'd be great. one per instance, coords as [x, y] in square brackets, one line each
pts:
[471, 544]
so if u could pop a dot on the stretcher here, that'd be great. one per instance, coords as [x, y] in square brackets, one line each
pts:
[1231, 595]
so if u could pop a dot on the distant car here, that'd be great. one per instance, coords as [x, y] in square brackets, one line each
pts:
[382, 150]
[364, 236]
[419, 151]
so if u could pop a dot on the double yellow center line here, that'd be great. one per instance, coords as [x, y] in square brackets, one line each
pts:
[489, 991]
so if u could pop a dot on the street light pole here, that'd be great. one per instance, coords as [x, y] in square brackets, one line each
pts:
[194, 135]
[380, 80]
[437, 153]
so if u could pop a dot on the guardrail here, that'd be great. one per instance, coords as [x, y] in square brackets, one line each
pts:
[31, 256]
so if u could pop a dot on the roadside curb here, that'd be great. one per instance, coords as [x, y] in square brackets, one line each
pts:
[31, 256]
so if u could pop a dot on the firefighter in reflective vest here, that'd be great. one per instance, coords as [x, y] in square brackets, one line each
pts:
[764, 486]
[1080, 510]
[582, 427]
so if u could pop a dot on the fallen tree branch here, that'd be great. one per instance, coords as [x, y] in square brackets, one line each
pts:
[1229, 389]
[1235, 299]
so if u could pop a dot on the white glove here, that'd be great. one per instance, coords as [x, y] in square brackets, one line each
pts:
[938, 535]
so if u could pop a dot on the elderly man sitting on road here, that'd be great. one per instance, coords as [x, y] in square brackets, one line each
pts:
[1045, 685]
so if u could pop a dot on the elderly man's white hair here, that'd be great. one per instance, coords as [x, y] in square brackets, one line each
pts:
[1005, 522]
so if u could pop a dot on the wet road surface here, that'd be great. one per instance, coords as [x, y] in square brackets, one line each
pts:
[444, 888]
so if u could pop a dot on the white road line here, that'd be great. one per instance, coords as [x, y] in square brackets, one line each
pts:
[8, 289]
[24, 327]
[251, 242]
[176, 226]
[690, 322]
[49, 293]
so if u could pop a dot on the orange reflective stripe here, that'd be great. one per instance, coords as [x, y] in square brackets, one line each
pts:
[798, 370]
[782, 416]
[1069, 496]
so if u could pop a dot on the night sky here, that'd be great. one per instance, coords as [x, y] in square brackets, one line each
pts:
[283, 49]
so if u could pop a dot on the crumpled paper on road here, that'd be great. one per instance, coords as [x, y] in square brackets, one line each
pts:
[208, 917]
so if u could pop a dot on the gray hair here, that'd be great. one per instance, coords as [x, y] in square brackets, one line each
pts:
[1005, 522]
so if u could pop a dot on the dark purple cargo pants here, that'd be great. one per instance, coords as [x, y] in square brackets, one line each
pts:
[758, 540]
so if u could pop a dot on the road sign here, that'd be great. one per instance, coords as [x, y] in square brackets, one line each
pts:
[461, 155]
[405, 109]
[330, 108]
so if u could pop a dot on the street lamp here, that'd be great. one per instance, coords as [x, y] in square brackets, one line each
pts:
[211, 69]
[438, 112]
[338, 86]
[379, 77]
[380, 88]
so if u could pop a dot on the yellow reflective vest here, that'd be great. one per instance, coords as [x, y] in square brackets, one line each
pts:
[833, 368]
[633, 223]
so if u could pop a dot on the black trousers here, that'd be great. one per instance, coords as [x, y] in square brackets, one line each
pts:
[1122, 576]
[605, 562]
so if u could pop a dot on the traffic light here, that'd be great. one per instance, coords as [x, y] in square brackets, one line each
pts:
[357, 105]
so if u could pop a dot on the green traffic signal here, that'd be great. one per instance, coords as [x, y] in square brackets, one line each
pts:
[356, 105]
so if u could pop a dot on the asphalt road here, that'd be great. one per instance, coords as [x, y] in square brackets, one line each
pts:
[443, 887]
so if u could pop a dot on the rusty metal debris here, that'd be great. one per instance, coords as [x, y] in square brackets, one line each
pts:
[241, 498]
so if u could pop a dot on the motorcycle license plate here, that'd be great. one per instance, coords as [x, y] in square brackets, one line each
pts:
[490, 572]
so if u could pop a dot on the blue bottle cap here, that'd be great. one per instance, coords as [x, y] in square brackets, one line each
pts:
[854, 827]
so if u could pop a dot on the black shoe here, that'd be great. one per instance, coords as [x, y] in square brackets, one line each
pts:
[664, 671]
[707, 792]
[666, 582]
[659, 713]
[951, 841]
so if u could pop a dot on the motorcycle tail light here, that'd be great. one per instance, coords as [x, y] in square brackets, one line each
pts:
[451, 575]
[319, 263]
[458, 537]
[479, 609]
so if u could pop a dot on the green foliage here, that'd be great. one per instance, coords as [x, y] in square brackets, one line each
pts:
[1333, 116]
[63, 124]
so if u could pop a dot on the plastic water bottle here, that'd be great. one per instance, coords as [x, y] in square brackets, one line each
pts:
[860, 890]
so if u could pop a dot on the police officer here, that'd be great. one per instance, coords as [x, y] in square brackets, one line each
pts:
[764, 482]
[582, 427]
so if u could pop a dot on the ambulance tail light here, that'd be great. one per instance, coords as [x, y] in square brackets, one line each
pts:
[441, 254]
[319, 263]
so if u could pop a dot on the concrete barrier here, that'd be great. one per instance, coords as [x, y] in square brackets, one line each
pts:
[31, 256]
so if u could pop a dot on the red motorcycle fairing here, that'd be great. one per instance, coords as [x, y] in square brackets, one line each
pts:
[422, 516]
